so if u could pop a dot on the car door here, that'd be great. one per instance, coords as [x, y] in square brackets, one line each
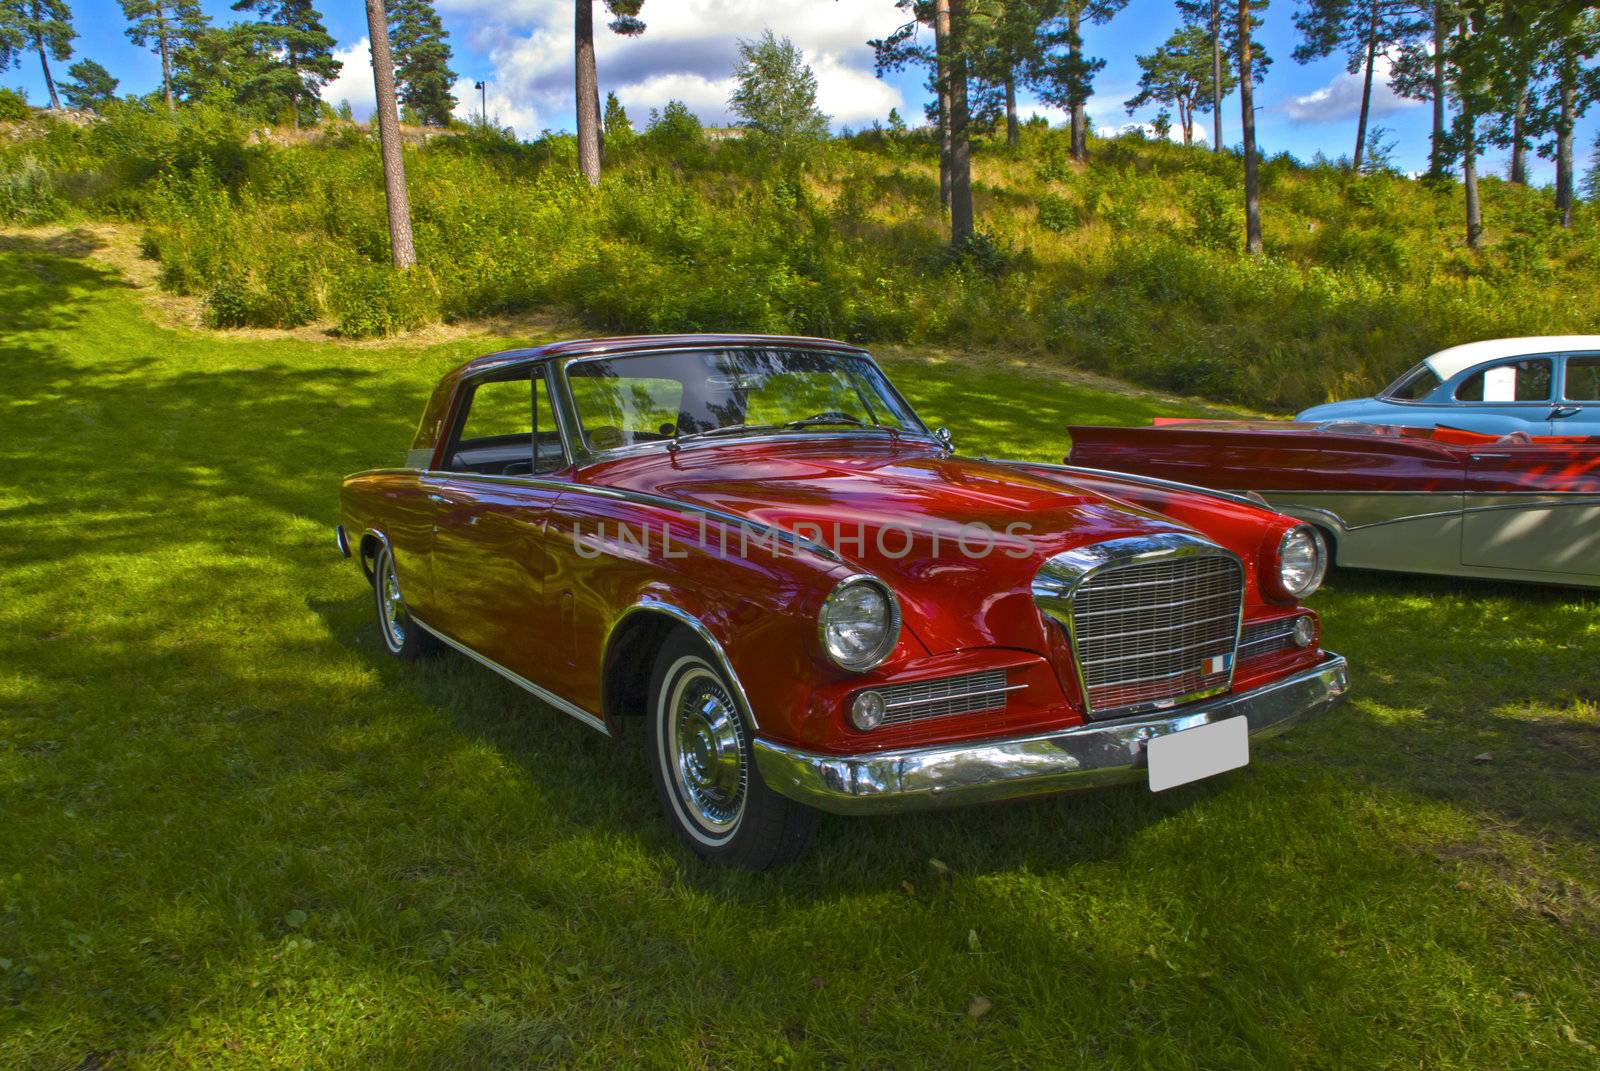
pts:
[1577, 410]
[1505, 396]
[1533, 507]
[502, 468]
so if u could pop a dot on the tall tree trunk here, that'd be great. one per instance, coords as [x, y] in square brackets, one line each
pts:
[1469, 178]
[1564, 125]
[1247, 113]
[1438, 151]
[586, 99]
[941, 67]
[166, 53]
[1216, 77]
[1013, 130]
[50, 83]
[950, 12]
[1186, 117]
[1519, 135]
[1080, 117]
[1366, 87]
[401, 247]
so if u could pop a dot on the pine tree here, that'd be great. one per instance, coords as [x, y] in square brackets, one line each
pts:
[618, 127]
[304, 50]
[422, 61]
[91, 86]
[1061, 73]
[1179, 73]
[46, 27]
[166, 27]
[624, 21]
[1363, 30]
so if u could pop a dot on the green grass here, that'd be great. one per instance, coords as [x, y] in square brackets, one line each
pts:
[233, 834]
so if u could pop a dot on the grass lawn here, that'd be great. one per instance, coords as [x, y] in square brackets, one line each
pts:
[233, 834]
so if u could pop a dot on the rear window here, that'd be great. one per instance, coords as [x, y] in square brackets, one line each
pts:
[1417, 383]
[1583, 379]
[1514, 381]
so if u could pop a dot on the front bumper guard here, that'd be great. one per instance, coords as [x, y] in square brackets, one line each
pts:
[1084, 756]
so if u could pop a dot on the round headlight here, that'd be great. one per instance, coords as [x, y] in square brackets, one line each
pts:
[1302, 561]
[860, 623]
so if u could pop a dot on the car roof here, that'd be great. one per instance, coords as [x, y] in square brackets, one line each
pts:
[586, 347]
[1447, 363]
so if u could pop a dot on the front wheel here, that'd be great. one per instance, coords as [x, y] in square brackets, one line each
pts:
[704, 771]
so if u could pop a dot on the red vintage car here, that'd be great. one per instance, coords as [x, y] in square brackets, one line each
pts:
[1415, 500]
[754, 545]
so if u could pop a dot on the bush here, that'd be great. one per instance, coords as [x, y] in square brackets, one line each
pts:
[14, 107]
[372, 301]
[28, 192]
[1056, 213]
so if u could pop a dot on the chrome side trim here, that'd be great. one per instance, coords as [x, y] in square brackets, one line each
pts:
[1085, 756]
[643, 498]
[1056, 585]
[654, 605]
[1144, 481]
[342, 538]
[516, 678]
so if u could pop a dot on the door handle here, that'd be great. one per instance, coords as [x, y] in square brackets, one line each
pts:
[1564, 411]
[1490, 457]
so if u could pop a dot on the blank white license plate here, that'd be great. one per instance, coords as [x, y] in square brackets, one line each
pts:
[1204, 751]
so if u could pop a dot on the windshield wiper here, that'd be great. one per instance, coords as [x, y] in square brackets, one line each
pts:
[822, 421]
[726, 429]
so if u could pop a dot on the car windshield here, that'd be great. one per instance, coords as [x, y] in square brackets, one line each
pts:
[1415, 384]
[657, 397]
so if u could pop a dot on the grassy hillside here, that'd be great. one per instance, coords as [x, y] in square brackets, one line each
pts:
[233, 834]
[1128, 265]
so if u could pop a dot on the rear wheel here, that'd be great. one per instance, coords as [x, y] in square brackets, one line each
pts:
[401, 636]
[703, 766]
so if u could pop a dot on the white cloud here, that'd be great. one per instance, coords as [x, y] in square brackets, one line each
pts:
[354, 83]
[503, 110]
[686, 52]
[1340, 99]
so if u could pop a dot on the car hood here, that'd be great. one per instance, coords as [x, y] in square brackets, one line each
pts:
[919, 520]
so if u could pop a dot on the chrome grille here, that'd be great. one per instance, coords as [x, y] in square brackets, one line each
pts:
[1264, 638]
[1157, 632]
[967, 694]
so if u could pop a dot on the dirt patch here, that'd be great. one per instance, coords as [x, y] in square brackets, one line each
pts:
[1528, 874]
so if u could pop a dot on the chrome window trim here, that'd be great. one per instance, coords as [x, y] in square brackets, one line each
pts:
[651, 604]
[544, 694]
[1294, 500]
[1058, 580]
[1454, 382]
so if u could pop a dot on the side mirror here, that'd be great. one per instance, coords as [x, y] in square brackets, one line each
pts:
[943, 435]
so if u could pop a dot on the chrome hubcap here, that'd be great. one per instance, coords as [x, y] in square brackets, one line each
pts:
[708, 750]
[391, 606]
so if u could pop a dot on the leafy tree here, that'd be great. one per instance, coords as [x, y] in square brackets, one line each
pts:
[301, 47]
[776, 97]
[1060, 72]
[1179, 74]
[167, 27]
[1363, 30]
[421, 49]
[677, 130]
[237, 66]
[1004, 39]
[1420, 72]
[618, 126]
[43, 25]
[91, 86]
[1574, 87]
[624, 21]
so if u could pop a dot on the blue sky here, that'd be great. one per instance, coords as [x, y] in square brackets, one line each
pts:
[523, 48]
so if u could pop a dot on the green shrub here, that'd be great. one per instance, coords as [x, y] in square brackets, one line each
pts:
[1056, 213]
[28, 192]
[14, 107]
[1216, 212]
[372, 301]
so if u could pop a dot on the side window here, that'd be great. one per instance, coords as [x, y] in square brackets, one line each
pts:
[1515, 381]
[497, 434]
[1583, 379]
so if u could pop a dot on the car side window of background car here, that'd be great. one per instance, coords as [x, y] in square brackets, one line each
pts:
[1526, 380]
[495, 433]
[1583, 379]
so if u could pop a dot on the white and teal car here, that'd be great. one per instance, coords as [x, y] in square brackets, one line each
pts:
[1547, 385]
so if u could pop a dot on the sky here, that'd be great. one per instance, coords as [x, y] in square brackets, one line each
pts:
[523, 49]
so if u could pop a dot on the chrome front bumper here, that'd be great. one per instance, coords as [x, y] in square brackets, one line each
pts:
[1085, 756]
